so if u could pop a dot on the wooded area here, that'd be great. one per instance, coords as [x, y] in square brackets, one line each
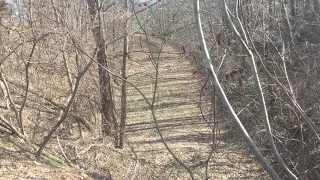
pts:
[162, 89]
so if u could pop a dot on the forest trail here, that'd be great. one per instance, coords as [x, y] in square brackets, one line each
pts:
[181, 122]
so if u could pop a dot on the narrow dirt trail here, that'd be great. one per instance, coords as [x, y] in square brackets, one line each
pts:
[181, 122]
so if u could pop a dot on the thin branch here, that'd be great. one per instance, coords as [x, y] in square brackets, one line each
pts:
[151, 109]
[56, 105]
[13, 105]
[12, 128]
[244, 41]
[289, 94]
[64, 113]
[25, 97]
[216, 83]
[63, 153]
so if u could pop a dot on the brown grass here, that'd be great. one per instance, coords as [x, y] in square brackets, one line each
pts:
[144, 157]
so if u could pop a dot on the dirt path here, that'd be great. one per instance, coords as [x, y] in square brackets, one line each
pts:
[177, 110]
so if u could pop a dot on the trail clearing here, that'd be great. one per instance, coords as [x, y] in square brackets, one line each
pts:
[185, 128]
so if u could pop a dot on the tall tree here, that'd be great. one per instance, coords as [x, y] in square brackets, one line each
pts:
[123, 75]
[109, 122]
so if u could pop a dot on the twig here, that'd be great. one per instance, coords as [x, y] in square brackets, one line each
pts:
[245, 42]
[12, 128]
[64, 113]
[217, 85]
[13, 105]
[62, 151]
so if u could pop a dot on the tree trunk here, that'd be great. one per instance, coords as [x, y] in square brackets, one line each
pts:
[123, 75]
[270, 7]
[293, 7]
[286, 18]
[316, 6]
[307, 5]
[109, 123]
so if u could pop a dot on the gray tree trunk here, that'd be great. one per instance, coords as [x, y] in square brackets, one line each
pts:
[109, 122]
[307, 5]
[124, 76]
[293, 8]
[316, 6]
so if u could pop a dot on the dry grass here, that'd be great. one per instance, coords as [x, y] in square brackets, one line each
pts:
[185, 130]
[18, 162]
[144, 157]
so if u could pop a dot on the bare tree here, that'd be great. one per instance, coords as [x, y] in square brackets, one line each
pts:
[65, 112]
[124, 76]
[109, 120]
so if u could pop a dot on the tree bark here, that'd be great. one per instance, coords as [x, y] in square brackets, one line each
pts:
[124, 76]
[307, 5]
[316, 6]
[293, 8]
[109, 123]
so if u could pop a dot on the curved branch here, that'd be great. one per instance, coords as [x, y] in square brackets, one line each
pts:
[175, 157]
[216, 83]
[244, 42]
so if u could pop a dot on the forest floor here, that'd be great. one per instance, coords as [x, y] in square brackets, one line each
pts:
[18, 162]
[185, 129]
